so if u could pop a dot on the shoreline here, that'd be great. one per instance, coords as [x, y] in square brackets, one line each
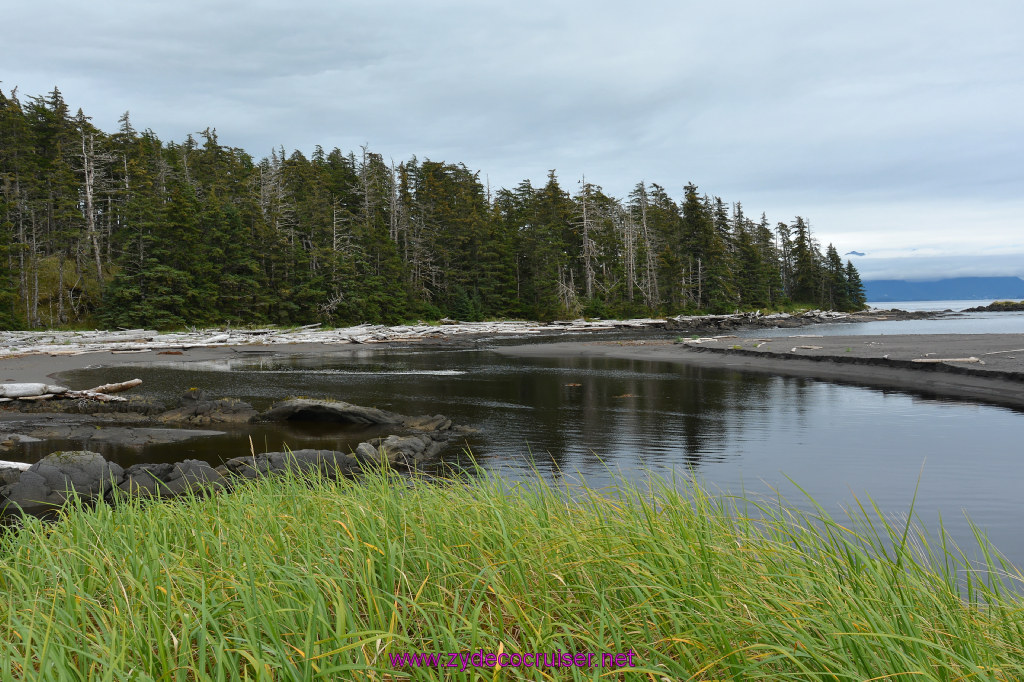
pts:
[888, 362]
[985, 367]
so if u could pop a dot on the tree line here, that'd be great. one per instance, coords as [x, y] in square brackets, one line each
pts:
[122, 229]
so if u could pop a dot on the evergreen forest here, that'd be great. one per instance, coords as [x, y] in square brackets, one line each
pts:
[120, 229]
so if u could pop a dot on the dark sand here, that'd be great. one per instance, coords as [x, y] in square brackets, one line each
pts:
[882, 361]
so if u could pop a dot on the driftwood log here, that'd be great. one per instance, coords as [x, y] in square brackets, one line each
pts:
[37, 391]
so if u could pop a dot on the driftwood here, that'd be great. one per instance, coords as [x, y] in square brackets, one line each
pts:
[27, 390]
[118, 387]
[970, 359]
[37, 392]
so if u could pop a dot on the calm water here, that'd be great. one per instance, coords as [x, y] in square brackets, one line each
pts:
[954, 323]
[585, 418]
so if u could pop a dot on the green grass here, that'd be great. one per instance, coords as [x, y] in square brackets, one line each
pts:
[286, 579]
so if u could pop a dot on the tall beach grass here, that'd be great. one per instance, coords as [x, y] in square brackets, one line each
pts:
[293, 579]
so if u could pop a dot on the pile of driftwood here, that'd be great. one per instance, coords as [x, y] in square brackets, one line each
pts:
[32, 392]
[19, 343]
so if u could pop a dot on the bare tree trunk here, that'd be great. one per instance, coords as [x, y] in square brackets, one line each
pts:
[588, 247]
[34, 261]
[22, 249]
[89, 169]
[629, 254]
[60, 288]
[650, 288]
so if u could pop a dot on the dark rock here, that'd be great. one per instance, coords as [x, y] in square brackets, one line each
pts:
[51, 481]
[194, 475]
[327, 462]
[122, 435]
[426, 423]
[197, 408]
[998, 307]
[328, 411]
[367, 453]
[9, 475]
[145, 480]
[401, 450]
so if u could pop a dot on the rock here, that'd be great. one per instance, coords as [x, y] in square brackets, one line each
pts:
[145, 480]
[50, 482]
[425, 423]
[327, 462]
[197, 408]
[367, 453]
[10, 474]
[300, 409]
[121, 435]
[998, 307]
[191, 475]
[404, 450]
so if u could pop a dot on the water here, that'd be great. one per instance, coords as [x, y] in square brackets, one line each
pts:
[912, 306]
[593, 419]
[954, 323]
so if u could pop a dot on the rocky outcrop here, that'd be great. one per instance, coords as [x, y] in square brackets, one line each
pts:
[195, 407]
[47, 484]
[301, 409]
[327, 462]
[998, 307]
[132, 436]
[170, 480]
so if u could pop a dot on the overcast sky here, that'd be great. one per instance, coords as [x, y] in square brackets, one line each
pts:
[895, 127]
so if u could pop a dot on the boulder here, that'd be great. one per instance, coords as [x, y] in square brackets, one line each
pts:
[402, 450]
[145, 480]
[50, 482]
[426, 423]
[194, 475]
[367, 453]
[327, 462]
[300, 409]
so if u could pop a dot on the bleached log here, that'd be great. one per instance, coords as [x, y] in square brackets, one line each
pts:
[26, 390]
[24, 466]
[970, 359]
[116, 388]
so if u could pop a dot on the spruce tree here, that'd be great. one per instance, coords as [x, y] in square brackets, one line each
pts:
[854, 288]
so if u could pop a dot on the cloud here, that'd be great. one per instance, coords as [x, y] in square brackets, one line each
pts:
[940, 267]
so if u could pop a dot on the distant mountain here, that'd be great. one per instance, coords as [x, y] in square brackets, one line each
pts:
[955, 288]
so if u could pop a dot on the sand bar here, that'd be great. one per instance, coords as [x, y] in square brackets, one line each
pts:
[984, 367]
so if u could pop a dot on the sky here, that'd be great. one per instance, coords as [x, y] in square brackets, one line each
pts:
[895, 128]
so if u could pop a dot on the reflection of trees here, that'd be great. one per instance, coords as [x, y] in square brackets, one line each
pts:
[645, 414]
